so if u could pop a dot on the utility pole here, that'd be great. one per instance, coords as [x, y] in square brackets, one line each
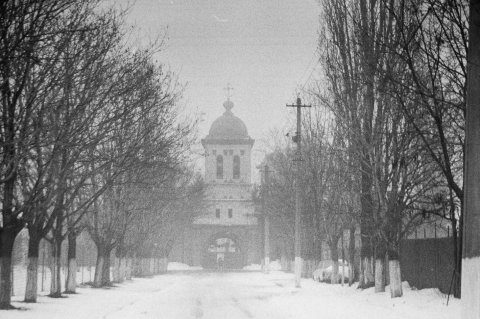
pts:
[266, 221]
[471, 222]
[298, 198]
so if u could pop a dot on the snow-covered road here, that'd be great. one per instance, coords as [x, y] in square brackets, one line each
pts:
[211, 295]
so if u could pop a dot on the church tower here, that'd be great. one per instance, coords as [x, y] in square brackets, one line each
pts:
[228, 149]
[227, 233]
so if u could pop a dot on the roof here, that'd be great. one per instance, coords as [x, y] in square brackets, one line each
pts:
[228, 128]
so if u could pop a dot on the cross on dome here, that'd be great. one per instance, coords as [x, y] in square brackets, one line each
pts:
[228, 105]
[228, 89]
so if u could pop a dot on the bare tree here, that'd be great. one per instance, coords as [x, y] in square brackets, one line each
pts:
[433, 45]
[28, 30]
[148, 143]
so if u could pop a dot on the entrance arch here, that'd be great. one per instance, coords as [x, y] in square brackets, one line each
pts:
[223, 250]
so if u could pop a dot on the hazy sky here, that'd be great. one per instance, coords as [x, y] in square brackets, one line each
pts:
[263, 48]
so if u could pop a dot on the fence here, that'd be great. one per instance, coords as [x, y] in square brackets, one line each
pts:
[428, 263]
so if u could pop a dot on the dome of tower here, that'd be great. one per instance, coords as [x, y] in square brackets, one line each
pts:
[228, 126]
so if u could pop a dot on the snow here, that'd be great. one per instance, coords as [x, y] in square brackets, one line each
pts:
[275, 265]
[212, 295]
[253, 267]
[20, 278]
[322, 274]
[180, 266]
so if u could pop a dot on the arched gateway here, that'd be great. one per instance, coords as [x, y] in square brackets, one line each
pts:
[227, 233]
[223, 251]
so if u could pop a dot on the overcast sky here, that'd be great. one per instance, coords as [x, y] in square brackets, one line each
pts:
[263, 48]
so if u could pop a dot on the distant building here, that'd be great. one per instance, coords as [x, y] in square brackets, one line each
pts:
[227, 234]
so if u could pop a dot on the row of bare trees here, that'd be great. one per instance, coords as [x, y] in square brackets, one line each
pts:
[385, 144]
[91, 139]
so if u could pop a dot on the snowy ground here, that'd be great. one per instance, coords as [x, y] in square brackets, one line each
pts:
[211, 295]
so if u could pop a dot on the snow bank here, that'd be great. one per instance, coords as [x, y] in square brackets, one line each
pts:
[253, 267]
[275, 265]
[180, 266]
[425, 303]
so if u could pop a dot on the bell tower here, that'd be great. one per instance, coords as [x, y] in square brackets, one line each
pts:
[228, 231]
[228, 150]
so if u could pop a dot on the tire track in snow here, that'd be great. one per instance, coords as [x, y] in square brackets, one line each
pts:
[131, 303]
[244, 310]
[197, 311]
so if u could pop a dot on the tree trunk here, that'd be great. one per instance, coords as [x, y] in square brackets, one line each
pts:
[366, 276]
[118, 264]
[379, 274]
[351, 257]
[380, 267]
[7, 238]
[123, 269]
[149, 266]
[71, 284]
[366, 252]
[284, 262]
[145, 266]
[163, 264]
[116, 269]
[334, 254]
[457, 289]
[97, 281]
[56, 267]
[136, 265]
[128, 268]
[106, 281]
[368, 61]
[32, 268]
[157, 265]
[395, 277]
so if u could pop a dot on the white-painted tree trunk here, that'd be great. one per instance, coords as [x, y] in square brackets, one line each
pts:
[71, 284]
[298, 271]
[266, 268]
[311, 268]
[343, 273]
[284, 262]
[470, 290]
[395, 278]
[32, 280]
[379, 275]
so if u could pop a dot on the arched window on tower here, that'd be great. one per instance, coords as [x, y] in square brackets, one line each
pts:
[236, 167]
[220, 167]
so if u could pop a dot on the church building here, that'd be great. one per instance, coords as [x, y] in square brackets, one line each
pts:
[227, 234]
